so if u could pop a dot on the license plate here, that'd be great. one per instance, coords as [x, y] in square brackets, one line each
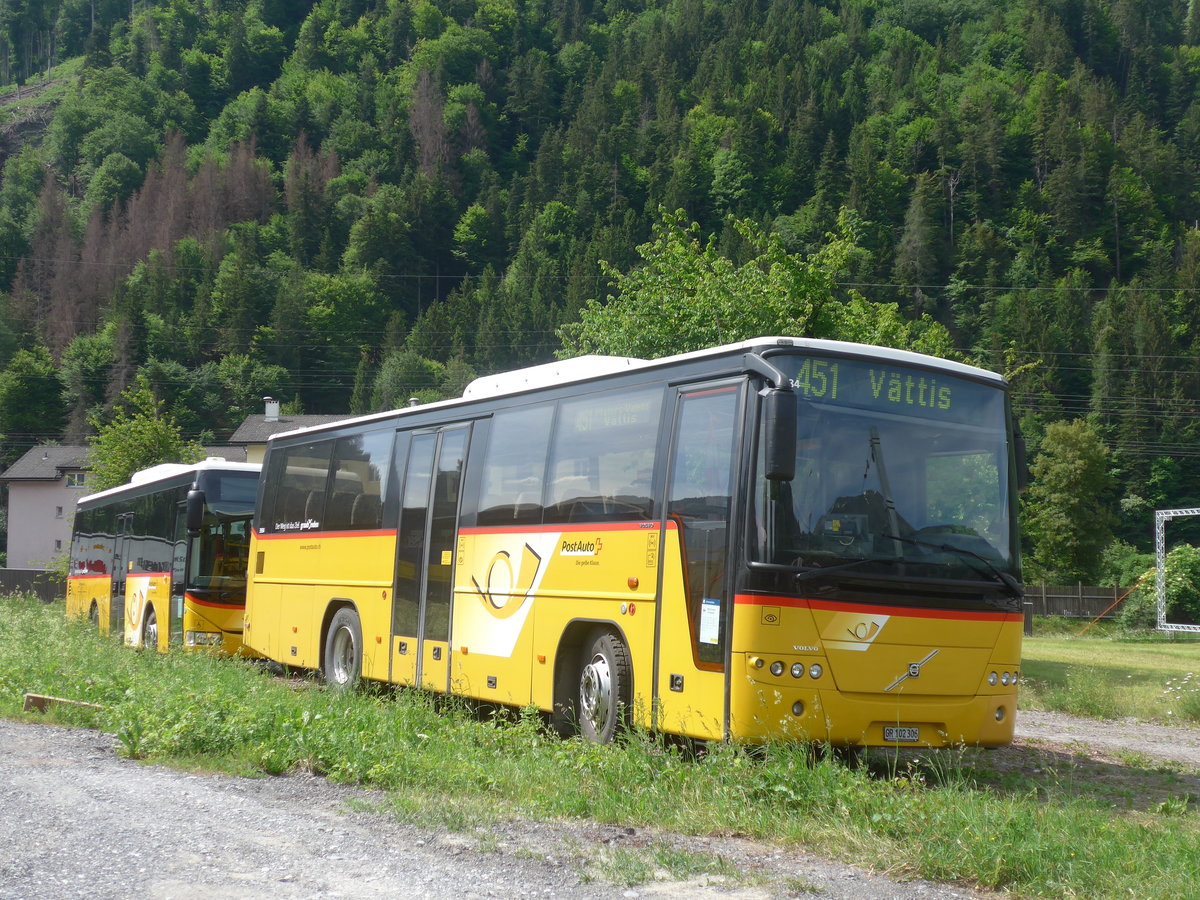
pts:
[900, 733]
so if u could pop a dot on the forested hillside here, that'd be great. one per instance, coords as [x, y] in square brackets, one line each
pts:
[349, 202]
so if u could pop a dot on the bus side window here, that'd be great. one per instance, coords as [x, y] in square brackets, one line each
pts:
[297, 482]
[602, 456]
[515, 466]
[360, 470]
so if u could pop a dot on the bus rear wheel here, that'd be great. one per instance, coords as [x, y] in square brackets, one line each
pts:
[150, 630]
[605, 688]
[343, 650]
[94, 615]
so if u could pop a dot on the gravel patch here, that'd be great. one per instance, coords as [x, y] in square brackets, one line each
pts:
[80, 821]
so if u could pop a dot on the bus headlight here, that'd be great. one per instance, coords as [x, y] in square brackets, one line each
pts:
[202, 638]
[797, 670]
[815, 670]
[1004, 679]
[777, 668]
[993, 678]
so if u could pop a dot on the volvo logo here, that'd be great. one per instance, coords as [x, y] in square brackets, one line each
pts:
[914, 671]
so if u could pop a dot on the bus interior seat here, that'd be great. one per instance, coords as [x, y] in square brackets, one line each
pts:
[366, 511]
[339, 512]
[314, 506]
[290, 505]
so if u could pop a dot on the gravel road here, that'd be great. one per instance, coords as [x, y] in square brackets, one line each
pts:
[76, 820]
[1113, 738]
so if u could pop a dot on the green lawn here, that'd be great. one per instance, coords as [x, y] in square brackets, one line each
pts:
[1156, 678]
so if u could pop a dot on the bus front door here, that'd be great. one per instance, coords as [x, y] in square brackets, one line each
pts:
[695, 608]
[425, 551]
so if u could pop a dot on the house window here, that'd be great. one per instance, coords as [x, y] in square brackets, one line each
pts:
[58, 512]
[76, 479]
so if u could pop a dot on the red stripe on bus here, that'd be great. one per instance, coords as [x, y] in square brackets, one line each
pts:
[308, 535]
[192, 598]
[910, 612]
[568, 528]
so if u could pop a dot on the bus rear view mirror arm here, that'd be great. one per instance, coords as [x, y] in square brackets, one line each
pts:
[778, 419]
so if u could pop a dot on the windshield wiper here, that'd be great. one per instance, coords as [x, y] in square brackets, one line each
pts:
[817, 572]
[999, 575]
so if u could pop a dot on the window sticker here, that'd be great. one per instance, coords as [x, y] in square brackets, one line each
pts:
[710, 621]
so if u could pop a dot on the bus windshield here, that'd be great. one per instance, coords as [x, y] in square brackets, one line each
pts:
[899, 472]
[220, 552]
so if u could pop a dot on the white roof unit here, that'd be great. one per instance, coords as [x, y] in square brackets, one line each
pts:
[578, 368]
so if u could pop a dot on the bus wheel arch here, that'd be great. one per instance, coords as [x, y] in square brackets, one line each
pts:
[342, 646]
[593, 682]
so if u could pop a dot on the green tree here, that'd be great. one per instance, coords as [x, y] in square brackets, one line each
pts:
[405, 375]
[31, 403]
[1067, 510]
[138, 435]
[687, 296]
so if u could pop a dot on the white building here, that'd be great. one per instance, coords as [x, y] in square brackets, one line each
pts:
[43, 486]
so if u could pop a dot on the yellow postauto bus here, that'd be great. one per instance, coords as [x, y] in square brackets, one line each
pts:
[777, 539]
[162, 560]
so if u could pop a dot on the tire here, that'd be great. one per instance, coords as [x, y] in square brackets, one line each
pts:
[94, 615]
[343, 650]
[150, 630]
[603, 698]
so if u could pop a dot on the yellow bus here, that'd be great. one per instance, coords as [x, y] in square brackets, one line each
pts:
[162, 560]
[777, 539]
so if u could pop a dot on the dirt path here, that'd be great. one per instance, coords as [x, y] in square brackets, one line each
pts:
[1122, 740]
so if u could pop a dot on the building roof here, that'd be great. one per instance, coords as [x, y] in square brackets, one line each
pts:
[256, 429]
[47, 463]
[228, 453]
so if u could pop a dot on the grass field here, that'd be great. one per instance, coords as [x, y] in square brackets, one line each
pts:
[943, 816]
[1108, 676]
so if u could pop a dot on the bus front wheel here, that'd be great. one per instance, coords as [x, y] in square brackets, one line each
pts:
[605, 688]
[343, 649]
[150, 630]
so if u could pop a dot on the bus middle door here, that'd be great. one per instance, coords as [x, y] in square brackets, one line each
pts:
[425, 551]
[118, 611]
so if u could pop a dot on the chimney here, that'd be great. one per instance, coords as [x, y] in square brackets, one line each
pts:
[272, 409]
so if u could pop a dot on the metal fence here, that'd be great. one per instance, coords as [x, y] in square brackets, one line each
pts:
[42, 582]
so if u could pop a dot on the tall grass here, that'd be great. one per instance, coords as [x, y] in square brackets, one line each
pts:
[470, 769]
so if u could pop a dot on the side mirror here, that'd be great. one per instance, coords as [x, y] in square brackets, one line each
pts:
[195, 512]
[779, 434]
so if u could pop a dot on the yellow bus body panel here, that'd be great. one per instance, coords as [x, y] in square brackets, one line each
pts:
[290, 594]
[85, 590]
[518, 591]
[204, 616]
[143, 592]
[876, 667]
[691, 699]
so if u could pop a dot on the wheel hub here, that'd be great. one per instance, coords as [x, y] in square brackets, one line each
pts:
[343, 656]
[595, 692]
